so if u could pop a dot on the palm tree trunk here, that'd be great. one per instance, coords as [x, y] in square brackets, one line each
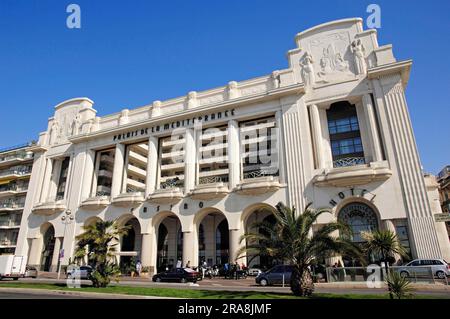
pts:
[387, 274]
[301, 282]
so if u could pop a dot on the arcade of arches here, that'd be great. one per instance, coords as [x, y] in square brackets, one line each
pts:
[215, 244]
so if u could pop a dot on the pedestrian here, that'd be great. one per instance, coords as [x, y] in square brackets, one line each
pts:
[188, 265]
[138, 268]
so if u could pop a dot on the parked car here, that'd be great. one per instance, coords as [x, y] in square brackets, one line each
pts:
[422, 267]
[254, 271]
[83, 272]
[275, 276]
[178, 275]
[30, 272]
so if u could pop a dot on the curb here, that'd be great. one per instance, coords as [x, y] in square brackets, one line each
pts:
[94, 295]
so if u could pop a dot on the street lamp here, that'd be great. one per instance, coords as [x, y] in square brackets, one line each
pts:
[65, 219]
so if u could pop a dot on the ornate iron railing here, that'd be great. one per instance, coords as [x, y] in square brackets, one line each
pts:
[349, 161]
[262, 172]
[172, 183]
[102, 194]
[212, 180]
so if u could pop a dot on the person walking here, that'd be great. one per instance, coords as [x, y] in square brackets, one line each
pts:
[188, 265]
[138, 268]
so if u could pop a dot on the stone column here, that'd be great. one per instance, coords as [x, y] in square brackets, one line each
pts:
[189, 170]
[234, 237]
[152, 165]
[119, 159]
[146, 251]
[188, 249]
[46, 180]
[86, 188]
[34, 257]
[377, 154]
[391, 102]
[55, 257]
[234, 161]
[317, 135]
[279, 160]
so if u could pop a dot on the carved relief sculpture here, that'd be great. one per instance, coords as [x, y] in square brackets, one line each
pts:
[308, 70]
[275, 79]
[192, 100]
[232, 90]
[54, 132]
[76, 125]
[359, 52]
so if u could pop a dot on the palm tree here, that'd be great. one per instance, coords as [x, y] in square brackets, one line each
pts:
[98, 243]
[398, 286]
[385, 244]
[292, 240]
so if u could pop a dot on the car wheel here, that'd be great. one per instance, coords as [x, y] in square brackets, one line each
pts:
[404, 274]
[183, 280]
[263, 282]
[158, 279]
[16, 278]
[440, 274]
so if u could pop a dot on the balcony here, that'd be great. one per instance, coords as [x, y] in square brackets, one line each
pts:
[11, 205]
[14, 173]
[97, 202]
[258, 182]
[50, 207]
[169, 193]
[10, 191]
[132, 197]
[210, 187]
[353, 175]
[9, 224]
[15, 158]
[7, 243]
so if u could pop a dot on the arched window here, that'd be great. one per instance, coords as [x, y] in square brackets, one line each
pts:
[359, 217]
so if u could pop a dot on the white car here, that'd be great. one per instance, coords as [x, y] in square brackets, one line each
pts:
[254, 272]
[437, 267]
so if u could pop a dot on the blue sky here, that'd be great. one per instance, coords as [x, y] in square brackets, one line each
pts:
[130, 53]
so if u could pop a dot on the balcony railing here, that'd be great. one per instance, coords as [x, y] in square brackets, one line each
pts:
[172, 183]
[15, 172]
[11, 204]
[212, 180]
[262, 172]
[9, 223]
[349, 161]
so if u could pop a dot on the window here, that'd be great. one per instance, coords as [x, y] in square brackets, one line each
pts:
[402, 235]
[345, 137]
[259, 155]
[62, 178]
[213, 153]
[359, 217]
[104, 172]
[136, 168]
[171, 159]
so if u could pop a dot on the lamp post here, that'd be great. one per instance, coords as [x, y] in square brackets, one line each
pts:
[65, 219]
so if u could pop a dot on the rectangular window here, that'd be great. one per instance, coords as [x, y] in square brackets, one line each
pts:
[171, 160]
[402, 235]
[61, 189]
[136, 168]
[104, 172]
[213, 155]
[259, 155]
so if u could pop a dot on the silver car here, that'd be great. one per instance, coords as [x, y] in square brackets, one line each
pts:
[424, 267]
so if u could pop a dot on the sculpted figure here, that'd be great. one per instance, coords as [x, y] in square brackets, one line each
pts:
[359, 52]
[275, 79]
[54, 132]
[76, 125]
[233, 90]
[308, 70]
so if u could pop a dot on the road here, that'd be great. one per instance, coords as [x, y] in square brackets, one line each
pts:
[41, 295]
[244, 285]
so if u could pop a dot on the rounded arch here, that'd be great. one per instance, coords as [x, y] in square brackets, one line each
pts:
[249, 210]
[125, 218]
[48, 246]
[91, 220]
[159, 218]
[338, 208]
[359, 216]
[202, 213]
[45, 227]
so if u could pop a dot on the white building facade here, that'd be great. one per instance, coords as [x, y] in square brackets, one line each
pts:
[190, 175]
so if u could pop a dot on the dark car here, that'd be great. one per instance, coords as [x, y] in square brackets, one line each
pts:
[83, 272]
[275, 276]
[177, 275]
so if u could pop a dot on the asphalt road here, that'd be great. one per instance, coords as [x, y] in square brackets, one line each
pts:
[41, 295]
